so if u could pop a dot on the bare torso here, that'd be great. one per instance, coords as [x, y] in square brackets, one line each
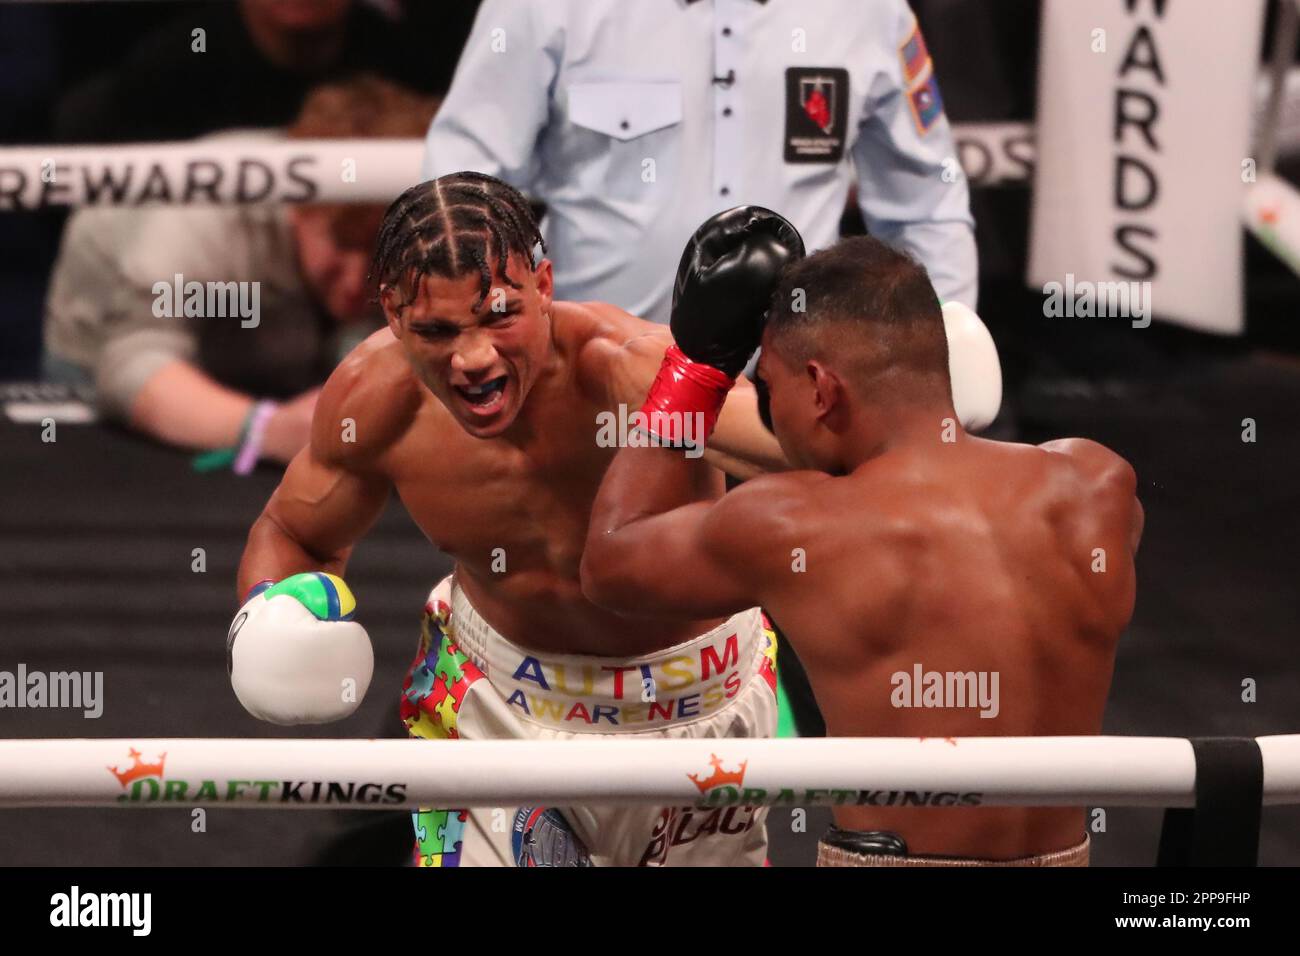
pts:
[512, 513]
[978, 558]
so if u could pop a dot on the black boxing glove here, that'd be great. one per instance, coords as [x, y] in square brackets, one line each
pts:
[725, 281]
[724, 286]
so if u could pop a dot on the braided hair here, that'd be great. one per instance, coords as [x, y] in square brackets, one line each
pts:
[450, 226]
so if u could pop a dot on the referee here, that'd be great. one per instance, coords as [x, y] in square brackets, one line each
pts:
[636, 120]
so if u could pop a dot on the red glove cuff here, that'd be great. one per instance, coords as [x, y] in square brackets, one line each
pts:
[685, 400]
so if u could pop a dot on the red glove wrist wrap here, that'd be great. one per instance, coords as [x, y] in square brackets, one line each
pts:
[685, 400]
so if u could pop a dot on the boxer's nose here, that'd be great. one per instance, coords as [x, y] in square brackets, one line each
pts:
[474, 353]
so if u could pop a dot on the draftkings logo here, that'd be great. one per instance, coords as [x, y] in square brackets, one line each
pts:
[719, 777]
[726, 788]
[143, 782]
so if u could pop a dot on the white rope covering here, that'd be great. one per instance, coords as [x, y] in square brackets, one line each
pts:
[387, 774]
[224, 169]
[234, 169]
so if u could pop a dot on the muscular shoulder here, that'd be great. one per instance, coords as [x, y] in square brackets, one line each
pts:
[606, 343]
[766, 515]
[367, 405]
[1104, 485]
[1095, 466]
[580, 325]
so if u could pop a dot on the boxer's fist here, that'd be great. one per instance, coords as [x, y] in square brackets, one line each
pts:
[973, 367]
[725, 282]
[294, 654]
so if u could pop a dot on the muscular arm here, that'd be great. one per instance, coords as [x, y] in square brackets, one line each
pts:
[1111, 520]
[651, 552]
[333, 491]
[625, 361]
[311, 522]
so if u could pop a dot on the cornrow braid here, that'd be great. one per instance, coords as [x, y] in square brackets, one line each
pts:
[459, 223]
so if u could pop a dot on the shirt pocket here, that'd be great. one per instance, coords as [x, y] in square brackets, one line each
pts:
[628, 134]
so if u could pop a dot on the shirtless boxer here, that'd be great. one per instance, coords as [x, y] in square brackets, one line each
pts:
[903, 542]
[479, 404]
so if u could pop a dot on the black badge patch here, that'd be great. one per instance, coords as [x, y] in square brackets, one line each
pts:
[816, 114]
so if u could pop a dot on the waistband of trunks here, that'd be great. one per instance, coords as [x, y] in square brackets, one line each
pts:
[587, 694]
[828, 855]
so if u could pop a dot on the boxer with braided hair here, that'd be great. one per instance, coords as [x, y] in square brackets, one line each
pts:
[493, 411]
[437, 227]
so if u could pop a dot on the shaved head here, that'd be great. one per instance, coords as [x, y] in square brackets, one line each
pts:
[868, 311]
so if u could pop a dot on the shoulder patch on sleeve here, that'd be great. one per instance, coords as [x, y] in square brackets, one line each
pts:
[919, 81]
[915, 56]
[927, 104]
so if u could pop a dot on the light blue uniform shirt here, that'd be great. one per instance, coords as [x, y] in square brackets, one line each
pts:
[636, 120]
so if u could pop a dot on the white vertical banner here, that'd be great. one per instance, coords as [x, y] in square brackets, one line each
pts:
[1144, 124]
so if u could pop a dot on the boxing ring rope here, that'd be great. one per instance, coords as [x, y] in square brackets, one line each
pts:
[232, 168]
[389, 774]
[224, 169]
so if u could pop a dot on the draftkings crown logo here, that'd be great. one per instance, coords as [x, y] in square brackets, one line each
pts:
[720, 777]
[138, 769]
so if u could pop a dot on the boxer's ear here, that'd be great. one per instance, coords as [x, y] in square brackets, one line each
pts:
[545, 278]
[828, 392]
[388, 301]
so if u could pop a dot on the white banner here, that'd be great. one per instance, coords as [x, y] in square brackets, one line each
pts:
[221, 169]
[1144, 122]
[995, 154]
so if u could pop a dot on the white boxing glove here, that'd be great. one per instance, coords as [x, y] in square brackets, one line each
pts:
[973, 366]
[294, 654]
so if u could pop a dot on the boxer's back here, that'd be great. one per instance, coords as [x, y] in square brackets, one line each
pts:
[976, 589]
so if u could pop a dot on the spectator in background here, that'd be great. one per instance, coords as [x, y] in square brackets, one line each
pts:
[259, 59]
[111, 316]
[635, 120]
